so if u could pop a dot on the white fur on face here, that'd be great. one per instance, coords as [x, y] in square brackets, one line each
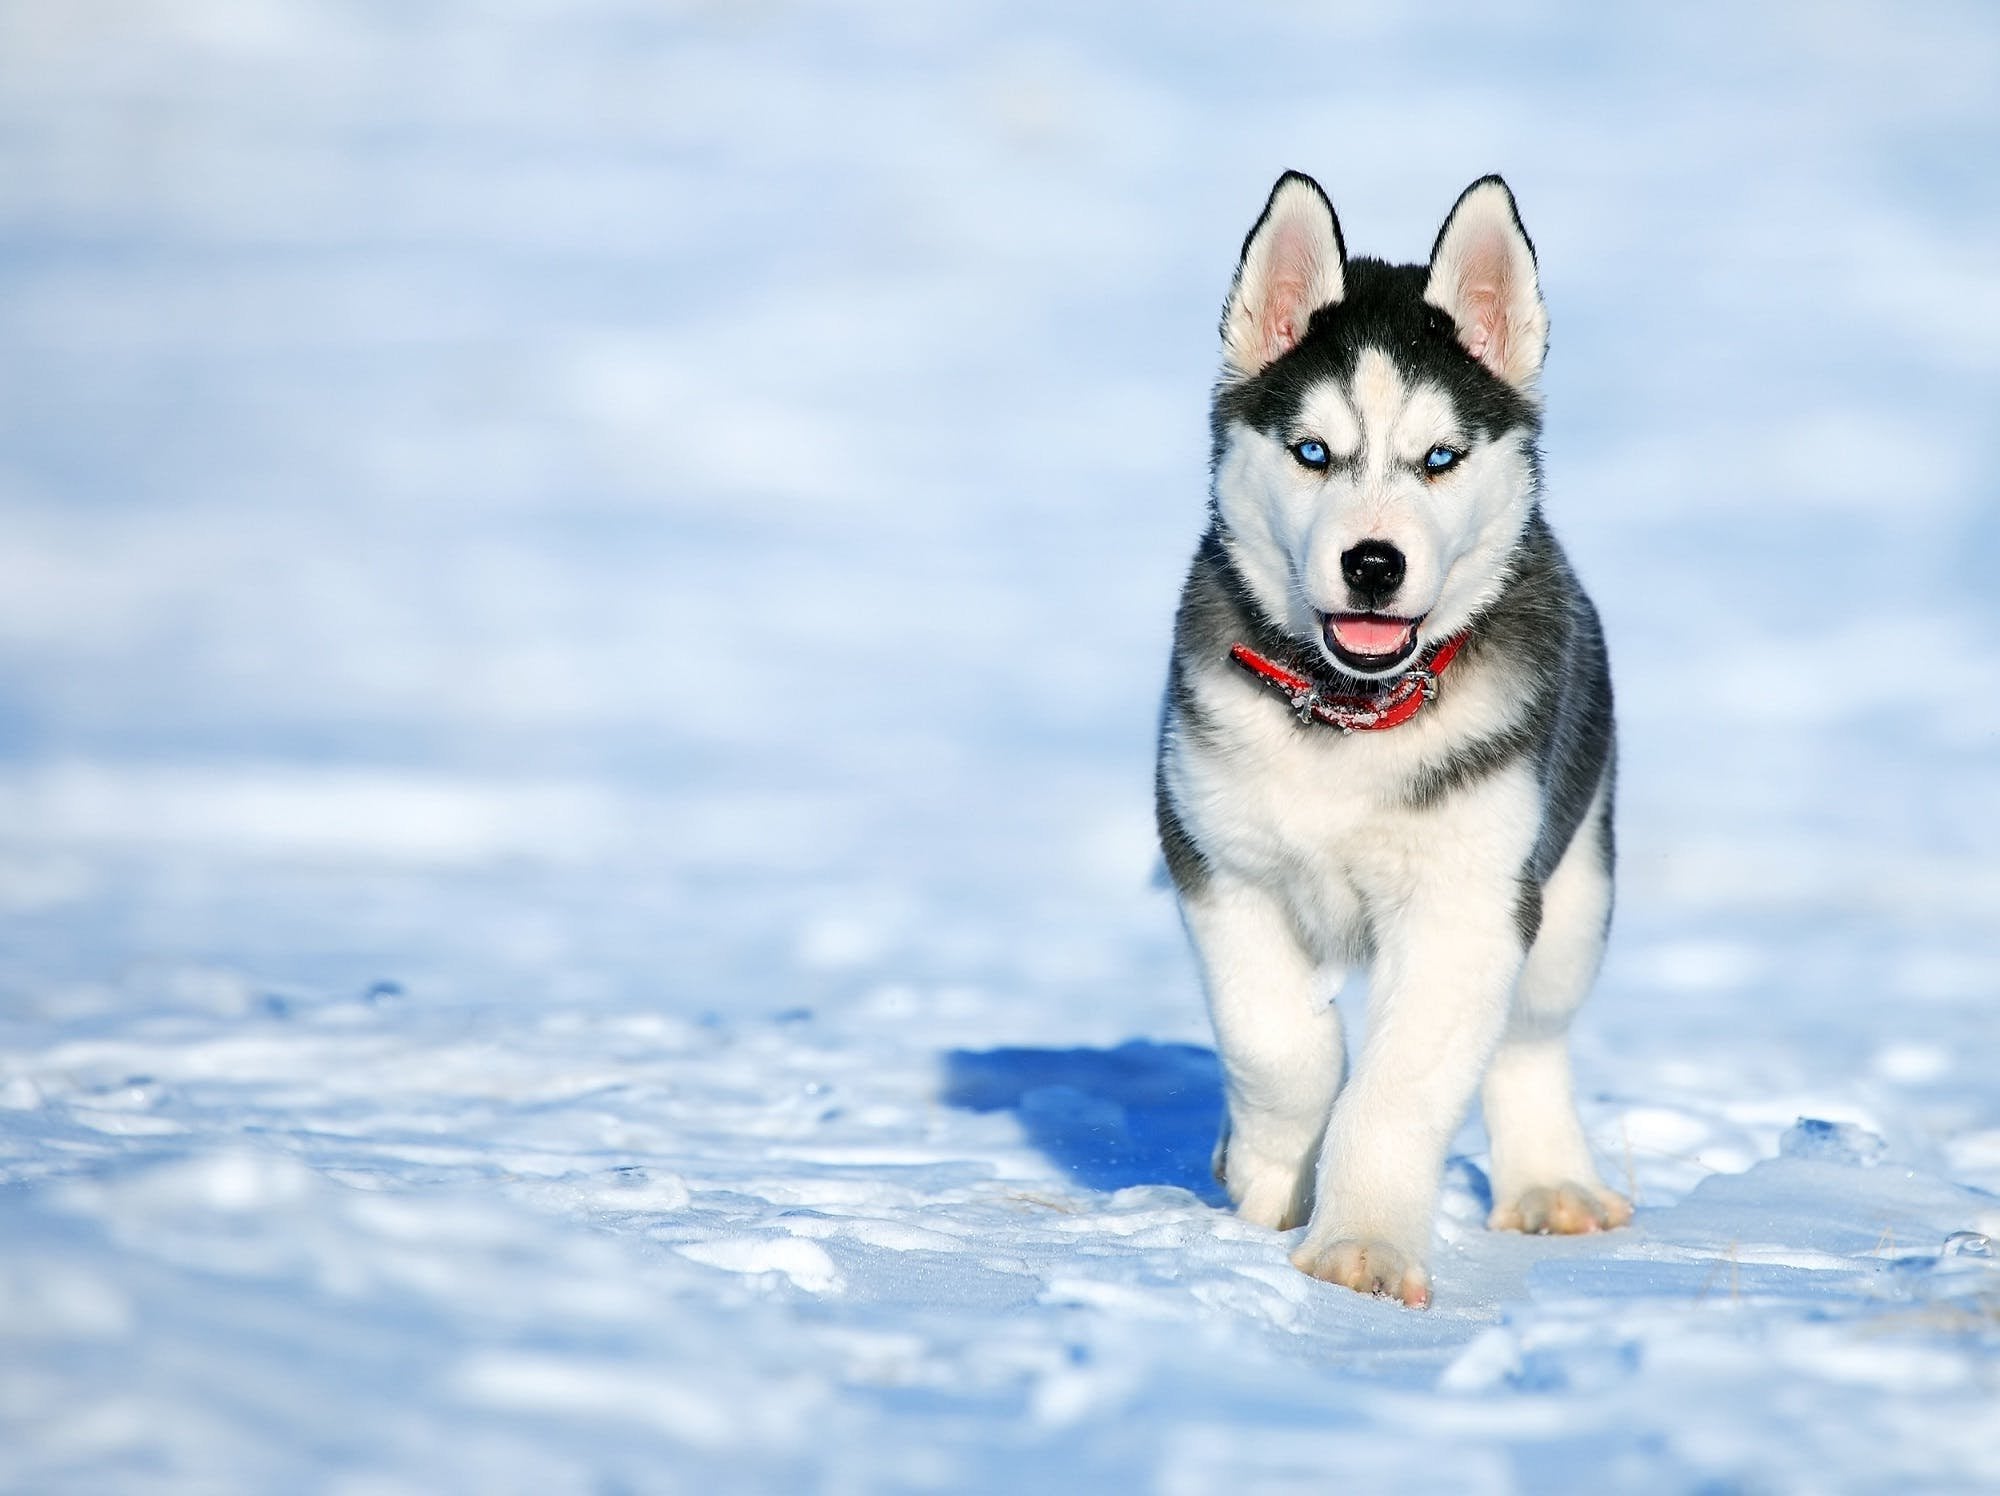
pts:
[1289, 525]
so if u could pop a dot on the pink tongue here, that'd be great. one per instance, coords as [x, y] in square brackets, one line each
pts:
[1371, 636]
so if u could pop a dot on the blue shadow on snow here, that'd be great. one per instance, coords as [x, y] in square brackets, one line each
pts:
[1143, 1113]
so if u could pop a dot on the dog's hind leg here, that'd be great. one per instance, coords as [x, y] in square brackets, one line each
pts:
[1280, 1043]
[1543, 1177]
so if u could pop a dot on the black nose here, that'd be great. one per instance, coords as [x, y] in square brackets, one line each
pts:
[1374, 569]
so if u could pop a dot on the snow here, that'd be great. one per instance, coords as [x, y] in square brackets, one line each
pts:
[583, 590]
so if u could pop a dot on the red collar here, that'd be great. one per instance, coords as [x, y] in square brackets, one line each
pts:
[1392, 708]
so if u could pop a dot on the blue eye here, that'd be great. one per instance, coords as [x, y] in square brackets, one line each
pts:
[1440, 459]
[1310, 453]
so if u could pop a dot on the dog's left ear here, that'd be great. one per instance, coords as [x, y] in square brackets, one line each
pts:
[1483, 277]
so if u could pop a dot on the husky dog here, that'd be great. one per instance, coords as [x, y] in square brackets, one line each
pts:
[1387, 742]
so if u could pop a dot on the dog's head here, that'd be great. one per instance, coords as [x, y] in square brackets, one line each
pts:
[1375, 425]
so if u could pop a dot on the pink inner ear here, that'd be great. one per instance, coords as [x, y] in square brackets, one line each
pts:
[1288, 290]
[1484, 290]
[1282, 329]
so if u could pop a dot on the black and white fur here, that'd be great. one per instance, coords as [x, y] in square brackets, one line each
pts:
[1465, 858]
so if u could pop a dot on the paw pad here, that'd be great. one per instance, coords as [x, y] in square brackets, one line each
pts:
[1370, 1267]
[1562, 1210]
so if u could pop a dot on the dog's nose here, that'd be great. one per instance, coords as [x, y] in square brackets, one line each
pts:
[1374, 569]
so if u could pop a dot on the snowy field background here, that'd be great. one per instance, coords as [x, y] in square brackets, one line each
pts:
[583, 590]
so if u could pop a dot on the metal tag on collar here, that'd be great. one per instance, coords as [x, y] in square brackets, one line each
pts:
[1303, 701]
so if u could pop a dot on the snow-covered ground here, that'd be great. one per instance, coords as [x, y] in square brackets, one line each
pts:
[583, 588]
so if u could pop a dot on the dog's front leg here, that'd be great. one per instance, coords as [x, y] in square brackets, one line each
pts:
[1442, 982]
[1279, 1041]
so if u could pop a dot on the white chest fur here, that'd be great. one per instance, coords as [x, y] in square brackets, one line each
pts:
[1327, 822]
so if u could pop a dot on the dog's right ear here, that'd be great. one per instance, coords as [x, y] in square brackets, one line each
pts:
[1293, 264]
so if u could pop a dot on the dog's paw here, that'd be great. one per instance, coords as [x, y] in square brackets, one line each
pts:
[1366, 1267]
[1565, 1209]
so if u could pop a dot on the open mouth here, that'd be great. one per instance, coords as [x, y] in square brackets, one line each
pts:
[1368, 643]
